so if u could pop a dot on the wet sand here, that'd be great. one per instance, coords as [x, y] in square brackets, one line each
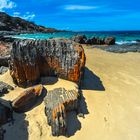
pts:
[111, 90]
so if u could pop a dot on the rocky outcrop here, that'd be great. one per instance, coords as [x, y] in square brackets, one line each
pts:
[80, 39]
[110, 41]
[31, 59]
[4, 88]
[18, 25]
[57, 103]
[95, 41]
[27, 99]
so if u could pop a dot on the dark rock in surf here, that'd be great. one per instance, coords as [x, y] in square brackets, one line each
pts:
[80, 39]
[110, 41]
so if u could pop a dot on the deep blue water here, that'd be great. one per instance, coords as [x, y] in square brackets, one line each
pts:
[122, 37]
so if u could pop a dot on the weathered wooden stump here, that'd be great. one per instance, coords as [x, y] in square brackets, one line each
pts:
[27, 99]
[57, 103]
[31, 59]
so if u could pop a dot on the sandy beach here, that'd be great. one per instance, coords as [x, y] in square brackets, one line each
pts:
[111, 102]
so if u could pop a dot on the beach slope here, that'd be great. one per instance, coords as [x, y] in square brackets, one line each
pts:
[111, 102]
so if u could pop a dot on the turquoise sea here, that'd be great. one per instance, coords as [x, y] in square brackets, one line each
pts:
[122, 37]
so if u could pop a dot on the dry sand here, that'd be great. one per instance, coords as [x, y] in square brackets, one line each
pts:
[111, 91]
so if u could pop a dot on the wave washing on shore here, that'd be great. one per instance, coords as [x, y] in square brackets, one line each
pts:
[122, 37]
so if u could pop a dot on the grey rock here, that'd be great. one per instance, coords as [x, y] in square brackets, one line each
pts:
[57, 103]
[79, 39]
[4, 88]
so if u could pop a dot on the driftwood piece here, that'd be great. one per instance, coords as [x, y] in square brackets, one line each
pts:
[27, 99]
[4, 88]
[31, 59]
[57, 103]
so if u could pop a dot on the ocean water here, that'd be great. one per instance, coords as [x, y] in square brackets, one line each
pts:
[122, 37]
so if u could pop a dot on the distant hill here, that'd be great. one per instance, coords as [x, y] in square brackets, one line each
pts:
[19, 25]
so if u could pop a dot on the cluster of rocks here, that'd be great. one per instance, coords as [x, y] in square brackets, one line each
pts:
[28, 62]
[124, 48]
[31, 59]
[57, 103]
[82, 39]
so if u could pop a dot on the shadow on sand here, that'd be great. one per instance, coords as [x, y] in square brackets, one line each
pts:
[72, 117]
[17, 130]
[92, 81]
[36, 103]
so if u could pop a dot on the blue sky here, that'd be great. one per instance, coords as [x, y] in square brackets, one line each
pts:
[79, 15]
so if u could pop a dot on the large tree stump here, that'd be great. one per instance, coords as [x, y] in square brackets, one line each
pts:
[31, 59]
[27, 98]
[57, 103]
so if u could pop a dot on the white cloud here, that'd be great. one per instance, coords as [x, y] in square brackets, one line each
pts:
[79, 7]
[28, 16]
[16, 14]
[6, 4]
